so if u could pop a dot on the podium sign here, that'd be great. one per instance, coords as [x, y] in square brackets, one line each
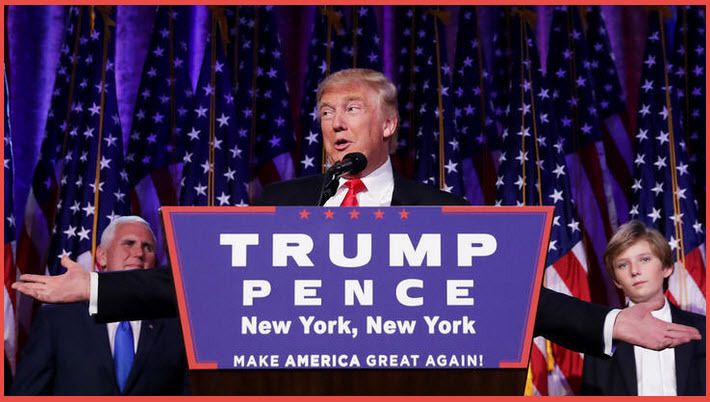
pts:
[396, 287]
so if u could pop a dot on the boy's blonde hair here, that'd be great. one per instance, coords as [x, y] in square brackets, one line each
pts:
[629, 234]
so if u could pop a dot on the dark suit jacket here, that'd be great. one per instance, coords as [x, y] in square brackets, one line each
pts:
[150, 293]
[617, 376]
[68, 353]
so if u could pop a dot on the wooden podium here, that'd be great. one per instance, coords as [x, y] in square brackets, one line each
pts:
[359, 382]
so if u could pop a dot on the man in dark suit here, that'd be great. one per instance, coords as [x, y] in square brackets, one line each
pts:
[639, 260]
[358, 113]
[69, 353]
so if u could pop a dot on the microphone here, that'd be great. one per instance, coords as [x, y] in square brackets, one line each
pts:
[352, 163]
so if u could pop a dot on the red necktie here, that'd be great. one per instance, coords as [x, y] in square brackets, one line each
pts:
[354, 186]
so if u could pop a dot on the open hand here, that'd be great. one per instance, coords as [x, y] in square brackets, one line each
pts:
[636, 325]
[71, 286]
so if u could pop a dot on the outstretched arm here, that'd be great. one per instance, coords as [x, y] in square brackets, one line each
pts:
[578, 325]
[138, 294]
[71, 286]
[122, 295]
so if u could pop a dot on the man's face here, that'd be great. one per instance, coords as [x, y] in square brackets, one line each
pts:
[132, 247]
[640, 273]
[351, 121]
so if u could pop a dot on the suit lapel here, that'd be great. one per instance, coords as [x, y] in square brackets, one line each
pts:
[683, 357]
[400, 196]
[150, 329]
[103, 352]
[625, 358]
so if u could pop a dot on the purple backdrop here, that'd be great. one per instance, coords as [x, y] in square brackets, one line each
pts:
[34, 35]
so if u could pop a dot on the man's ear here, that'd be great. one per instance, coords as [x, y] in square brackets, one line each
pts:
[390, 126]
[101, 259]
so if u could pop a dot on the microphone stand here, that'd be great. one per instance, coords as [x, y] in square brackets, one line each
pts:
[330, 185]
[352, 163]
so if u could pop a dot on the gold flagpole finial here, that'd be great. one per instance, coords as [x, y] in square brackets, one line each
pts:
[441, 15]
[665, 11]
[526, 15]
[334, 18]
[219, 16]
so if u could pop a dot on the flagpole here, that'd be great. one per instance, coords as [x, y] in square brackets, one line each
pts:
[328, 38]
[523, 42]
[574, 94]
[686, 117]
[108, 23]
[437, 14]
[410, 151]
[210, 144]
[533, 116]
[355, 16]
[70, 98]
[171, 66]
[677, 221]
[482, 104]
[524, 55]
[252, 136]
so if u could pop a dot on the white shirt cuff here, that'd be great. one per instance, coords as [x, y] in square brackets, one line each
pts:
[93, 293]
[609, 331]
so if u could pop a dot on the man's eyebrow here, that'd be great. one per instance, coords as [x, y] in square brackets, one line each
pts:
[348, 99]
[354, 98]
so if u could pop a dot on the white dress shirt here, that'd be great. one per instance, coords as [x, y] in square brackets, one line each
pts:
[379, 187]
[655, 370]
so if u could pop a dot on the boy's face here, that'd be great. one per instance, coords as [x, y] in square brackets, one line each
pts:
[640, 273]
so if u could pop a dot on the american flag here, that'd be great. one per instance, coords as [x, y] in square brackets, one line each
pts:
[161, 113]
[93, 183]
[60, 211]
[261, 94]
[688, 74]
[569, 68]
[502, 69]
[216, 158]
[366, 50]
[10, 325]
[425, 98]
[41, 208]
[473, 115]
[336, 43]
[325, 56]
[533, 171]
[662, 189]
[611, 109]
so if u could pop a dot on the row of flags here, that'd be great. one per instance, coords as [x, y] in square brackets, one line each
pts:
[342, 37]
[516, 135]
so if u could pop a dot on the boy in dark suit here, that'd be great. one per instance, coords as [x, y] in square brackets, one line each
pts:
[639, 260]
